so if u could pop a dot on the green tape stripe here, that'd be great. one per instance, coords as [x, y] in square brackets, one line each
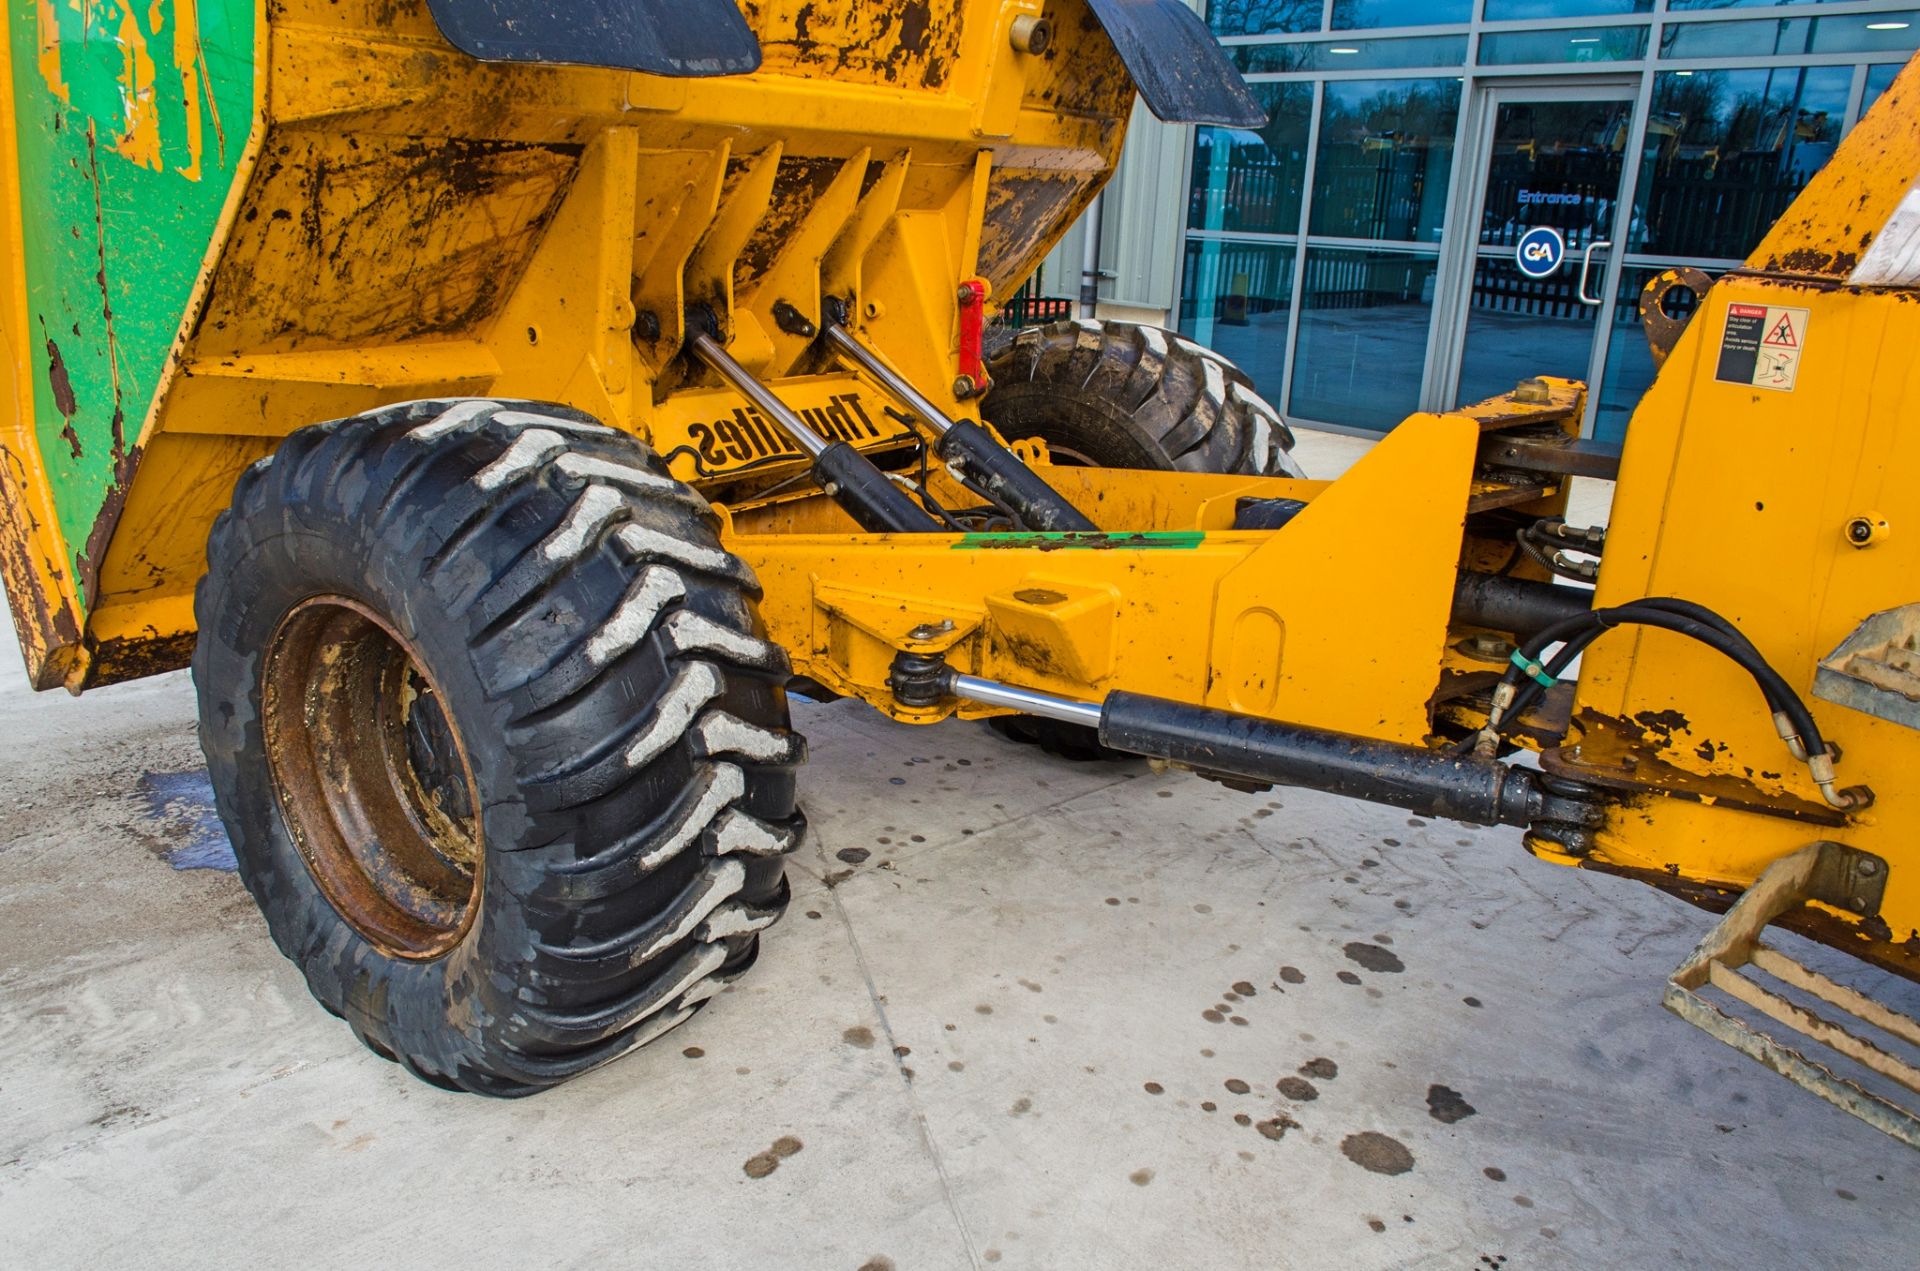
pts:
[1162, 540]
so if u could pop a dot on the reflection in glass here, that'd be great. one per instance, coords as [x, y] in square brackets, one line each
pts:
[1842, 33]
[1236, 300]
[1584, 44]
[1727, 151]
[1879, 80]
[1251, 181]
[1629, 372]
[1558, 164]
[1362, 15]
[1351, 54]
[1554, 164]
[1684, 5]
[1521, 10]
[1386, 153]
[1520, 327]
[1263, 17]
[1363, 336]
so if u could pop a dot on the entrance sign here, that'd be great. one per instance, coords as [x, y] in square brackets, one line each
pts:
[1540, 251]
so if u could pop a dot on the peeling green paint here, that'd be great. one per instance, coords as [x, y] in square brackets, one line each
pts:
[130, 120]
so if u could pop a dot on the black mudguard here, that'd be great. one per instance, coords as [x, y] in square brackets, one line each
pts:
[1179, 68]
[681, 38]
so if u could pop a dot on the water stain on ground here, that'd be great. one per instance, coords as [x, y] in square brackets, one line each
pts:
[1446, 1105]
[187, 825]
[1376, 1152]
[1373, 957]
[859, 1035]
[1298, 1089]
[852, 855]
[1140, 1177]
[1238, 1086]
[1322, 1067]
[1021, 1107]
[1293, 975]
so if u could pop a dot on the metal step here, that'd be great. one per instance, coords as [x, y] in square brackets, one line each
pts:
[1829, 872]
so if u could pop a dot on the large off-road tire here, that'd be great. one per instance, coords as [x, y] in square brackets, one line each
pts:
[1120, 395]
[503, 760]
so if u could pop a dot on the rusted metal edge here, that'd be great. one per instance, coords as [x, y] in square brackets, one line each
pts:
[1608, 756]
[124, 658]
[47, 622]
[1882, 1114]
[1870, 941]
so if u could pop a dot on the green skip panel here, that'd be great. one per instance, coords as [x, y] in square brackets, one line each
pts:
[131, 117]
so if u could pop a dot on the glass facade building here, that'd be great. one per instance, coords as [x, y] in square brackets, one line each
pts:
[1451, 195]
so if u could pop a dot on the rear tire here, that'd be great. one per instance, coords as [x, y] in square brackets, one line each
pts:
[503, 760]
[1121, 395]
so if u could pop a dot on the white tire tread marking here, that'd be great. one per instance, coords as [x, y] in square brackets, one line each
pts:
[656, 587]
[696, 684]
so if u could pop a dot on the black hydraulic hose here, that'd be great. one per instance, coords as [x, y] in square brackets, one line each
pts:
[1575, 645]
[1531, 691]
[1679, 617]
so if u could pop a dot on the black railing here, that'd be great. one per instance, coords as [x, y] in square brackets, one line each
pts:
[1026, 309]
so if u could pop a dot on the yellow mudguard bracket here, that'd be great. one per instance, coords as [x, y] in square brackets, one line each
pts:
[1282, 624]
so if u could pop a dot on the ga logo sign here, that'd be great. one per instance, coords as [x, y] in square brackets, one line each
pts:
[1540, 251]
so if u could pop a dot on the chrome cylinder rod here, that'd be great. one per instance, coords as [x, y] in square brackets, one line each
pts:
[842, 342]
[1025, 700]
[710, 351]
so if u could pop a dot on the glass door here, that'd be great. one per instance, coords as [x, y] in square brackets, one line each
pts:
[1548, 212]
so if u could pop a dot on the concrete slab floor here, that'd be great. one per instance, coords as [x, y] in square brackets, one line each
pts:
[1022, 1012]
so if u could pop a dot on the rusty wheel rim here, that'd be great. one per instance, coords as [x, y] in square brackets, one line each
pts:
[372, 777]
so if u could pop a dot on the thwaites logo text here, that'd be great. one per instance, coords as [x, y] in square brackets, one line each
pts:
[746, 435]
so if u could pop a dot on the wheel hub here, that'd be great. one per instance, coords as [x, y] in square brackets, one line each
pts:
[372, 777]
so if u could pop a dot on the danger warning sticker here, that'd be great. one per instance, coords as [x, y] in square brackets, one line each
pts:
[1762, 346]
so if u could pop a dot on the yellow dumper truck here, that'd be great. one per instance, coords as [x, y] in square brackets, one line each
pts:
[651, 340]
